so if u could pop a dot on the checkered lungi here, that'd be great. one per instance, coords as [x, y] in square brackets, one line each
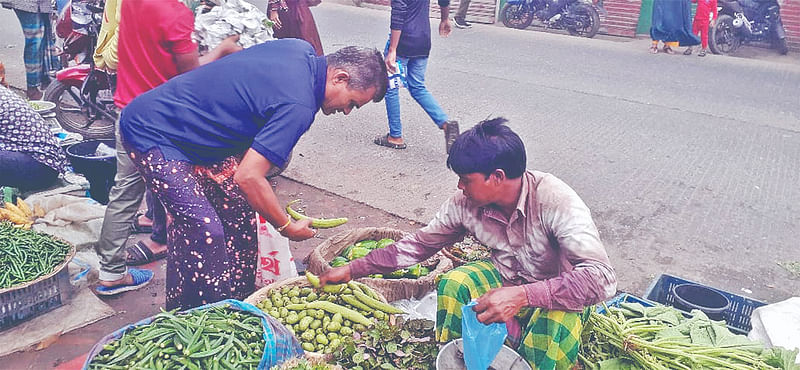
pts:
[550, 339]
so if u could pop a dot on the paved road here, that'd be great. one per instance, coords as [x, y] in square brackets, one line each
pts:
[689, 164]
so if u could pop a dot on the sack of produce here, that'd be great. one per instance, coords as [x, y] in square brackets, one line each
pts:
[321, 318]
[346, 246]
[466, 251]
[226, 334]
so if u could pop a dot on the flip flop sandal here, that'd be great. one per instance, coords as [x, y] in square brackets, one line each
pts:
[384, 141]
[668, 50]
[140, 229]
[701, 54]
[139, 254]
[140, 279]
[688, 51]
[654, 49]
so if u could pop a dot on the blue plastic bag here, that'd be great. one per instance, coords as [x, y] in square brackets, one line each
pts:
[280, 345]
[481, 342]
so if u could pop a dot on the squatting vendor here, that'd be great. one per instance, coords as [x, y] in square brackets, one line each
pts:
[547, 261]
[205, 140]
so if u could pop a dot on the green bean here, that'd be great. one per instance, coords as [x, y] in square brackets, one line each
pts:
[26, 255]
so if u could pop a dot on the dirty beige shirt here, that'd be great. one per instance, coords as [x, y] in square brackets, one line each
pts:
[550, 245]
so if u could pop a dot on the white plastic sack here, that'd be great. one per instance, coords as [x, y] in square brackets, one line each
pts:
[232, 17]
[424, 308]
[275, 260]
[777, 324]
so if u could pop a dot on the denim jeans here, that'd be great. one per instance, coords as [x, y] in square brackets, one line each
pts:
[415, 76]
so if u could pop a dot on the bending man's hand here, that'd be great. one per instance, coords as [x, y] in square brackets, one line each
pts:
[335, 275]
[500, 304]
[299, 230]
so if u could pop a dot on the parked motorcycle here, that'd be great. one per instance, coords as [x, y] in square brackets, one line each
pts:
[578, 17]
[82, 94]
[742, 21]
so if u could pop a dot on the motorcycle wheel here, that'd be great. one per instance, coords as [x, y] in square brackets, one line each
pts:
[517, 16]
[275, 170]
[723, 38]
[72, 117]
[780, 45]
[588, 11]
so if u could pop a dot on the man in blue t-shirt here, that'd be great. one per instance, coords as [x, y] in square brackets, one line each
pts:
[205, 140]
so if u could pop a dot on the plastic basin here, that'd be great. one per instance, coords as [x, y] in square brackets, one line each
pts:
[692, 296]
[99, 170]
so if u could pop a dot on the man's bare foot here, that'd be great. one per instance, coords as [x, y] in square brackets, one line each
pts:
[127, 280]
[144, 221]
[33, 93]
[154, 247]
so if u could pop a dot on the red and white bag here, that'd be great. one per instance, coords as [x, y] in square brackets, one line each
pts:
[275, 260]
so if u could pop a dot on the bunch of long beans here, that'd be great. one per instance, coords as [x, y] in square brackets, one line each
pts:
[26, 255]
[635, 339]
[213, 338]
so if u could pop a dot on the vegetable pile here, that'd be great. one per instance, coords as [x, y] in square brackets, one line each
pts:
[320, 318]
[406, 345]
[470, 250]
[306, 364]
[26, 255]
[633, 337]
[362, 248]
[21, 213]
[216, 337]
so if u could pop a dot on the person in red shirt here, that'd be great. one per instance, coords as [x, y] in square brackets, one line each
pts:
[705, 16]
[154, 45]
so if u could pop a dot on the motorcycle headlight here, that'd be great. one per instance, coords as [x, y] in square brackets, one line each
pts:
[737, 22]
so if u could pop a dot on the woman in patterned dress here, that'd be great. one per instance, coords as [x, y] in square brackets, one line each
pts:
[30, 157]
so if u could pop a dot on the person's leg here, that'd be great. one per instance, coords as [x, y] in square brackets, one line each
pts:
[415, 75]
[392, 99]
[33, 30]
[149, 200]
[461, 14]
[457, 288]
[197, 263]
[124, 200]
[703, 29]
[552, 339]
[239, 224]
[159, 234]
[29, 174]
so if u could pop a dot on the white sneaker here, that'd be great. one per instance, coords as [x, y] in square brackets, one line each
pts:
[461, 23]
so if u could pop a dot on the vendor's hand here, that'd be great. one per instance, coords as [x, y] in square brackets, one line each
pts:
[299, 230]
[335, 275]
[273, 16]
[391, 61]
[500, 304]
[444, 28]
[228, 46]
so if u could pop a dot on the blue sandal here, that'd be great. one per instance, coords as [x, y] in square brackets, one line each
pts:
[140, 279]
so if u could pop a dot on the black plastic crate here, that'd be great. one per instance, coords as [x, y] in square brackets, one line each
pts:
[737, 316]
[22, 304]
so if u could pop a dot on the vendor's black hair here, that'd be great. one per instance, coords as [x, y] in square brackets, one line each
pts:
[365, 66]
[488, 146]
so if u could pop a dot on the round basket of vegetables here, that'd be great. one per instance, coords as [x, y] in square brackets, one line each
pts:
[413, 281]
[322, 317]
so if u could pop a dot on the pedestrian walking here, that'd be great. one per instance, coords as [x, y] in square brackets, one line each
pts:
[204, 142]
[672, 25]
[410, 44]
[704, 17]
[293, 19]
[40, 50]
